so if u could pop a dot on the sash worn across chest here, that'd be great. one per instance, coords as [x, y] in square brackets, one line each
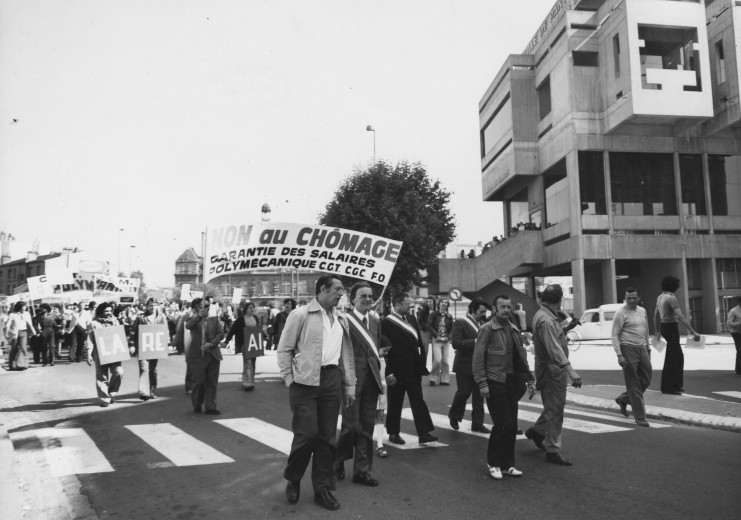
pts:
[472, 324]
[404, 325]
[357, 325]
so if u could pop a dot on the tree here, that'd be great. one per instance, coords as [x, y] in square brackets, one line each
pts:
[401, 203]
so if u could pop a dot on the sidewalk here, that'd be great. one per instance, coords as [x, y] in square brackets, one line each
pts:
[687, 409]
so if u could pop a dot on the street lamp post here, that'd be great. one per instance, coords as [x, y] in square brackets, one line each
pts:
[131, 248]
[370, 128]
[118, 266]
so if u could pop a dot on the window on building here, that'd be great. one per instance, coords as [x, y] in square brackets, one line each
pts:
[668, 48]
[642, 184]
[592, 183]
[544, 97]
[693, 186]
[729, 273]
[556, 194]
[694, 274]
[616, 54]
[517, 209]
[498, 126]
[585, 59]
[720, 63]
[725, 184]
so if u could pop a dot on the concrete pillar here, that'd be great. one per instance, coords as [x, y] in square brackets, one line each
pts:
[710, 297]
[609, 289]
[572, 174]
[580, 287]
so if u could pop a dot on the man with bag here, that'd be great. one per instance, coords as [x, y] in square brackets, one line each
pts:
[630, 341]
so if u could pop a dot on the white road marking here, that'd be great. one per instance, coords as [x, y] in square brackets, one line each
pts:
[272, 436]
[69, 451]
[412, 441]
[179, 447]
[576, 424]
[442, 421]
[624, 420]
[737, 395]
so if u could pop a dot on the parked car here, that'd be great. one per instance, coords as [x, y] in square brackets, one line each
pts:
[597, 323]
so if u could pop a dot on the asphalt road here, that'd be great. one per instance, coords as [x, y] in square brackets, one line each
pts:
[662, 472]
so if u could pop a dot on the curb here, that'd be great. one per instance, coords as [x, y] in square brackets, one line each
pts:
[656, 412]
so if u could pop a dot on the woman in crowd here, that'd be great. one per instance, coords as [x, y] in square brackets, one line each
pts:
[19, 329]
[246, 318]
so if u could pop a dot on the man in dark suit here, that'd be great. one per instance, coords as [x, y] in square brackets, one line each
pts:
[404, 370]
[358, 419]
[463, 337]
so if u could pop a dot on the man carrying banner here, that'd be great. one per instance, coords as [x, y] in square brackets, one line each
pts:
[358, 419]
[204, 356]
[316, 362]
[107, 376]
[147, 367]
[404, 370]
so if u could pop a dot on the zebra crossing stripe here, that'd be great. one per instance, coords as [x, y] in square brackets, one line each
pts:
[737, 395]
[179, 447]
[412, 441]
[263, 432]
[442, 422]
[623, 420]
[69, 451]
[576, 424]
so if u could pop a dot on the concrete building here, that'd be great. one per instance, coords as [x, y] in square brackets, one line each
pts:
[614, 143]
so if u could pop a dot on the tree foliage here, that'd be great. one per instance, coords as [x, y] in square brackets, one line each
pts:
[398, 202]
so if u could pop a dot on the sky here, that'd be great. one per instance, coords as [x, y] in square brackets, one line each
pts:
[162, 117]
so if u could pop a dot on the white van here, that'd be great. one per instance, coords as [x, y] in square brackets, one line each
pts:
[597, 323]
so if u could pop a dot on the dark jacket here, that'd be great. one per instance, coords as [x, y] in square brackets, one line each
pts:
[404, 360]
[489, 355]
[367, 363]
[463, 339]
[433, 325]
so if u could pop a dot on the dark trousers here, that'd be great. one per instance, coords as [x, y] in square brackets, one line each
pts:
[356, 434]
[502, 404]
[315, 410]
[206, 378]
[672, 376]
[70, 341]
[637, 379]
[147, 377]
[737, 340]
[48, 348]
[422, 420]
[81, 336]
[466, 387]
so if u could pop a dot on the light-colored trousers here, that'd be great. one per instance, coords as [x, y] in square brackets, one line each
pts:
[440, 372]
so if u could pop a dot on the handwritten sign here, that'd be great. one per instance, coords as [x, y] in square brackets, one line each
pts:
[111, 344]
[247, 247]
[153, 341]
[253, 343]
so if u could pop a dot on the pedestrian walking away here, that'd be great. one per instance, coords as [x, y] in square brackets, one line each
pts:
[463, 338]
[734, 327]
[355, 440]
[316, 362]
[667, 318]
[502, 373]
[552, 372]
[630, 341]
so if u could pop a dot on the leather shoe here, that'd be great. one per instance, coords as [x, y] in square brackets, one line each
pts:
[293, 491]
[427, 437]
[672, 392]
[557, 458]
[535, 437]
[641, 422]
[623, 407]
[454, 424]
[213, 411]
[432, 383]
[365, 479]
[326, 499]
[481, 429]
[396, 439]
[339, 471]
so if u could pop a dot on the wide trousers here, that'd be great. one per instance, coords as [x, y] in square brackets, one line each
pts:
[205, 372]
[672, 376]
[147, 377]
[356, 434]
[440, 372]
[420, 412]
[315, 410]
[467, 387]
[107, 378]
[248, 371]
[502, 404]
[637, 377]
[18, 357]
[553, 386]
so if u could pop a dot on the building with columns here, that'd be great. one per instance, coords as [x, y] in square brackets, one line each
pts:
[613, 142]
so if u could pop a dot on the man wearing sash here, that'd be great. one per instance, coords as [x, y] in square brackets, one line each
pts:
[358, 419]
[404, 370]
[465, 332]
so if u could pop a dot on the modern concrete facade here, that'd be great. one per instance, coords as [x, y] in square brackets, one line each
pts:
[616, 135]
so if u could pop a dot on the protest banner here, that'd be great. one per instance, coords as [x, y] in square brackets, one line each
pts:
[185, 292]
[253, 343]
[39, 287]
[111, 344]
[267, 245]
[153, 340]
[237, 296]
